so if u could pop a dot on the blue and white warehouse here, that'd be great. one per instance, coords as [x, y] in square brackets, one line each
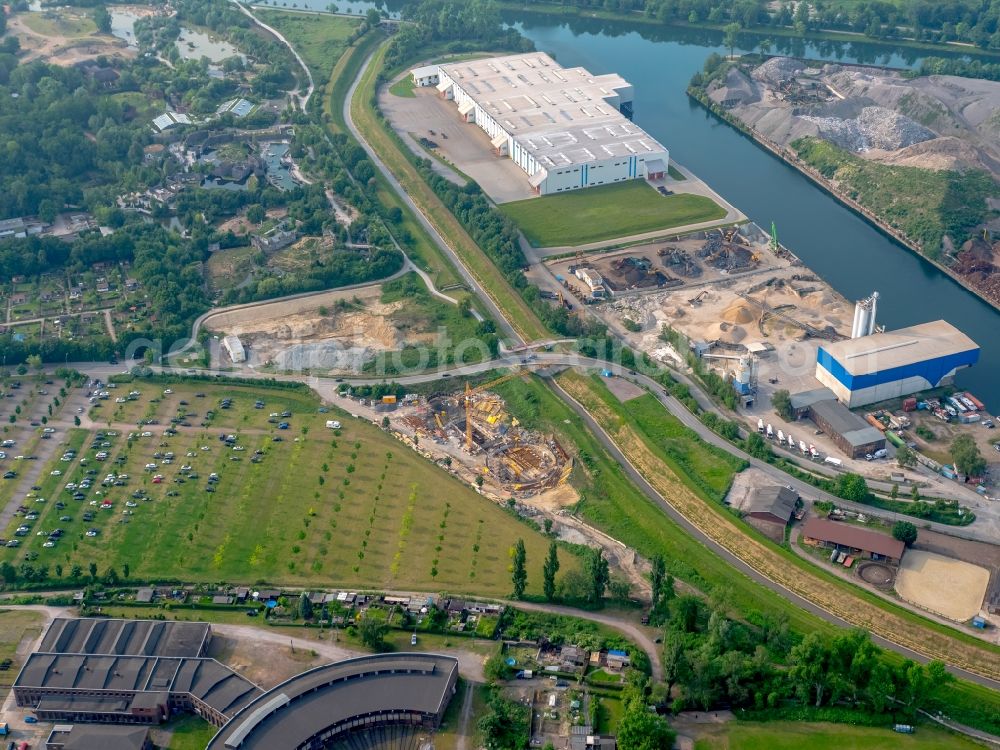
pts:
[893, 364]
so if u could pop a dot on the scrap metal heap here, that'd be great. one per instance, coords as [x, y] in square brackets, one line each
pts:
[728, 251]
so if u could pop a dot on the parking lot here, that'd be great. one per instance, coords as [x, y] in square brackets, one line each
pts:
[426, 115]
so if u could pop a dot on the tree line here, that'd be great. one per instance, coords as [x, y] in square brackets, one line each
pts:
[973, 21]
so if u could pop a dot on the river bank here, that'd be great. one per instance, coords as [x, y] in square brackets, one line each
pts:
[789, 157]
[569, 12]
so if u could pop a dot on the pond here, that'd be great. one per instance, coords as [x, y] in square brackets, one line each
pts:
[194, 45]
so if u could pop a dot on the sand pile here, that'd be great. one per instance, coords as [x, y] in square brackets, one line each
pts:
[738, 312]
[725, 332]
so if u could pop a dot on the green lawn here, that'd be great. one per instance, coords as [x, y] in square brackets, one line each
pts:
[189, 732]
[354, 509]
[320, 38]
[781, 735]
[16, 625]
[606, 212]
[62, 23]
[710, 468]
[403, 87]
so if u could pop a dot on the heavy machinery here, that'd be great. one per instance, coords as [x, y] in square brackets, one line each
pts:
[696, 300]
[470, 392]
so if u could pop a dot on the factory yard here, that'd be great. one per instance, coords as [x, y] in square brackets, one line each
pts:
[461, 151]
[727, 294]
[426, 122]
[226, 492]
[942, 585]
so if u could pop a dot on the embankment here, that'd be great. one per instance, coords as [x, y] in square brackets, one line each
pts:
[788, 156]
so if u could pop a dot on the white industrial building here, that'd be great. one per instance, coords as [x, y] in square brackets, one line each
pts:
[593, 280]
[893, 364]
[426, 75]
[565, 127]
[234, 348]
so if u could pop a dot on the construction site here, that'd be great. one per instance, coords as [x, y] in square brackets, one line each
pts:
[474, 428]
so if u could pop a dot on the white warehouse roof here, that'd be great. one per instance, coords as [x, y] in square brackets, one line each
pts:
[562, 116]
[905, 346]
[425, 71]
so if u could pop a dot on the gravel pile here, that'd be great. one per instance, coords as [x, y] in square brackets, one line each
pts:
[778, 69]
[874, 128]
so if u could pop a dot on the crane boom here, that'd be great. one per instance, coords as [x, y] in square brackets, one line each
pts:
[470, 392]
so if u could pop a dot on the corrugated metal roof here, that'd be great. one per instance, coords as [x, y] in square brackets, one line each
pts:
[846, 535]
[884, 351]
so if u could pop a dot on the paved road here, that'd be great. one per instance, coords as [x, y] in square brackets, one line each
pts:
[303, 99]
[435, 236]
[328, 387]
[725, 554]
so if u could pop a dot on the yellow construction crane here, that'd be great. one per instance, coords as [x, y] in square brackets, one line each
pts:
[470, 392]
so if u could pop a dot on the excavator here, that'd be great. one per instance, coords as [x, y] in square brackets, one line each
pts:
[470, 392]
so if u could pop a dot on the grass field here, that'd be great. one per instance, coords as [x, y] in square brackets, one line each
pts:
[355, 508]
[321, 38]
[606, 212]
[15, 626]
[612, 503]
[654, 461]
[786, 735]
[69, 24]
[420, 248]
[403, 87]
[189, 732]
[491, 281]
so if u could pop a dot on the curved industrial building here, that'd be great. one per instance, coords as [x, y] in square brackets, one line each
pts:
[316, 708]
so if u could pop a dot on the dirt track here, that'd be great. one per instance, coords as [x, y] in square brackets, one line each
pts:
[948, 587]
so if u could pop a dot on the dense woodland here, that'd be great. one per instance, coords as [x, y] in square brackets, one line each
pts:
[974, 21]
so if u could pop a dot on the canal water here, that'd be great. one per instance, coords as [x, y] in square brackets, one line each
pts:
[845, 250]
[842, 248]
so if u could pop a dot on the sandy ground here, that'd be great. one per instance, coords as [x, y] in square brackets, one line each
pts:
[294, 335]
[61, 50]
[948, 587]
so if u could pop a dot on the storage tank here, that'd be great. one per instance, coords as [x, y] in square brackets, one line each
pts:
[865, 311]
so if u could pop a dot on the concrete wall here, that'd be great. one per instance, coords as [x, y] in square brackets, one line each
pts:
[875, 393]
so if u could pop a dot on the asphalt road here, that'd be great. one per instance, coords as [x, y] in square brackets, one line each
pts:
[445, 248]
[736, 562]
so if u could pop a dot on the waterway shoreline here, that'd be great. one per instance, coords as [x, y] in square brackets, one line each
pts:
[792, 159]
[564, 12]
